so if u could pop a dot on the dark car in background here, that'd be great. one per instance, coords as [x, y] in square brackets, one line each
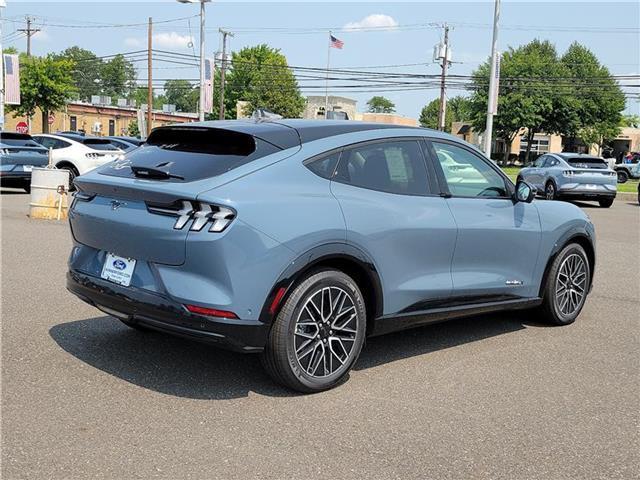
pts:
[19, 153]
[124, 143]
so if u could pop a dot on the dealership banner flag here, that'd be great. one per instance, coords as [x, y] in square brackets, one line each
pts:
[11, 79]
[208, 84]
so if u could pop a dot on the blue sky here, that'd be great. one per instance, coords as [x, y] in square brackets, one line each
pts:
[598, 25]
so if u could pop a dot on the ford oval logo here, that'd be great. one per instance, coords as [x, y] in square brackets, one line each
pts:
[119, 264]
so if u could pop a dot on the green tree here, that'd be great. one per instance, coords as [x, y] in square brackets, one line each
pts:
[86, 71]
[528, 93]
[133, 130]
[630, 120]
[595, 104]
[117, 77]
[182, 94]
[458, 110]
[378, 104]
[260, 75]
[45, 83]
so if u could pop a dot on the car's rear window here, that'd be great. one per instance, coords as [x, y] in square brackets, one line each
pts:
[99, 144]
[18, 140]
[190, 153]
[587, 162]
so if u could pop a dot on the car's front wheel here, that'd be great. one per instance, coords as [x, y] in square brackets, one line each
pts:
[318, 334]
[550, 192]
[567, 286]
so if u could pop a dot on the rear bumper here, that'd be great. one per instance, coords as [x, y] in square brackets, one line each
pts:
[163, 314]
[585, 194]
[578, 190]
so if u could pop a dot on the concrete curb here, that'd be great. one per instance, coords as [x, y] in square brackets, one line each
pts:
[626, 196]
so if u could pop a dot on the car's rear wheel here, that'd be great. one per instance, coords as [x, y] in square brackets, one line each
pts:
[605, 202]
[550, 192]
[318, 334]
[622, 176]
[73, 173]
[567, 286]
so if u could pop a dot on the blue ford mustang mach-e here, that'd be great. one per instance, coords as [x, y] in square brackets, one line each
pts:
[298, 239]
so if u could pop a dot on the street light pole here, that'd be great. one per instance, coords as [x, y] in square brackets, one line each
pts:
[2, 5]
[492, 104]
[202, 18]
[442, 110]
[201, 109]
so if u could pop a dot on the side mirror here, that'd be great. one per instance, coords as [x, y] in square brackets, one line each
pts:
[524, 192]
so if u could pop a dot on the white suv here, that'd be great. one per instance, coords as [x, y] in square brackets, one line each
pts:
[77, 153]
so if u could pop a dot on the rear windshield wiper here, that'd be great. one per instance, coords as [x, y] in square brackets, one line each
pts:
[154, 173]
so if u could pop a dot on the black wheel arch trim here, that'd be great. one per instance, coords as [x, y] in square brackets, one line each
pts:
[578, 235]
[316, 256]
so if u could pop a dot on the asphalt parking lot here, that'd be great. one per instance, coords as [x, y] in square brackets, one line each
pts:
[497, 396]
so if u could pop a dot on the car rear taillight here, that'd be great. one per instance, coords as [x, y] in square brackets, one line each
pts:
[210, 312]
[201, 214]
[568, 173]
[93, 155]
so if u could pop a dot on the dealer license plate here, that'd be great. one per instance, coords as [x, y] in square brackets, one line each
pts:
[118, 269]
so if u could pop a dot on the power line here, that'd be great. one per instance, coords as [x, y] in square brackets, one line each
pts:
[90, 24]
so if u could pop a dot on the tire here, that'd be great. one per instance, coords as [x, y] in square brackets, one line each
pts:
[605, 202]
[623, 176]
[73, 173]
[550, 191]
[307, 353]
[563, 308]
[134, 325]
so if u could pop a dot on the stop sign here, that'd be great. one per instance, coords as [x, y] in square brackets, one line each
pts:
[22, 127]
[52, 119]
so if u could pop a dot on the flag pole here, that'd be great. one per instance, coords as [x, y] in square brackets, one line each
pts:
[326, 86]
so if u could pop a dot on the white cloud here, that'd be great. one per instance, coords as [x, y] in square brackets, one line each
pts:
[375, 20]
[42, 36]
[133, 42]
[172, 40]
[162, 40]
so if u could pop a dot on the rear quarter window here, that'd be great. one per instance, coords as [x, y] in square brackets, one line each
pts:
[325, 165]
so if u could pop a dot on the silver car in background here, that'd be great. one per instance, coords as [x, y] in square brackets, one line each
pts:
[572, 176]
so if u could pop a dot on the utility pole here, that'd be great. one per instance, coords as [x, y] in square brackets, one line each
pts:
[494, 81]
[223, 67]
[30, 32]
[149, 77]
[201, 104]
[2, 5]
[442, 112]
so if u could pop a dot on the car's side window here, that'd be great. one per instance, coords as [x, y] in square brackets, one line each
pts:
[539, 163]
[395, 166]
[467, 174]
[61, 144]
[552, 162]
[324, 166]
[46, 142]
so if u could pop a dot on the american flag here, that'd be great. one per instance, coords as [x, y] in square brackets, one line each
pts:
[336, 43]
[208, 84]
[11, 79]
